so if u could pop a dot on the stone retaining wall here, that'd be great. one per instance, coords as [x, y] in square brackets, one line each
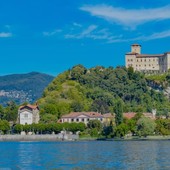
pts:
[57, 137]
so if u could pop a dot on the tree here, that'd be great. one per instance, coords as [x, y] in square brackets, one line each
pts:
[77, 72]
[121, 130]
[77, 106]
[94, 124]
[11, 111]
[4, 126]
[118, 112]
[18, 128]
[1, 112]
[145, 126]
[49, 118]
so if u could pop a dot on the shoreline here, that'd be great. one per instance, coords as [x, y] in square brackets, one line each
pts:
[15, 138]
[53, 138]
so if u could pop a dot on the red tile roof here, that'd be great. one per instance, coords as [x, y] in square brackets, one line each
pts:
[108, 115]
[29, 106]
[129, 115]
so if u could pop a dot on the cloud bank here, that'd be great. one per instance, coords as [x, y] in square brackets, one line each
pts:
[128, 17]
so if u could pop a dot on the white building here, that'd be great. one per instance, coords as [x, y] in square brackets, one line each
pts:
[149, 63]
[28, 114]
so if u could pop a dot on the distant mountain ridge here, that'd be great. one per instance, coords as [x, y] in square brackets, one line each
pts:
[23, 87]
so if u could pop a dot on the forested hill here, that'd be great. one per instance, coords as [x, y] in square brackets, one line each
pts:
[98, 88]
[23, 87]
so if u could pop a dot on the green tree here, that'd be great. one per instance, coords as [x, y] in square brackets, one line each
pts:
[118, 112]
[4, 126]
[94, 124]
[11, 111]
[121, 130]
[145, 126]
[49, 118]
[18, 128]
[77, 106]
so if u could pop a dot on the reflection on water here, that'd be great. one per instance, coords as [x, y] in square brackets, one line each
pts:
[85, 155]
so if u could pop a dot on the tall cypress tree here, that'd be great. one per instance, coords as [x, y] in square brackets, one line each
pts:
[118, 112]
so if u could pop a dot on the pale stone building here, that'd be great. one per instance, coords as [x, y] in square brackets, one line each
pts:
[149, 63]
[28, 114]
[85, 117]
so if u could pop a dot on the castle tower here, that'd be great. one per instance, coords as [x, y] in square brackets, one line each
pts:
[136, 48]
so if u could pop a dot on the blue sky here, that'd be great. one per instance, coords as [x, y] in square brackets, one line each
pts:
[51, 36]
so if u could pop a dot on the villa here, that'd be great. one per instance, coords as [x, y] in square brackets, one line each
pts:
[28, 114]
[85, 117]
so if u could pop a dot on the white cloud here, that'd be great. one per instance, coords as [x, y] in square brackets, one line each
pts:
[77, 25]
[5, 34]
[52, 32]
[84, 34]
[158, 35]
[128, 17]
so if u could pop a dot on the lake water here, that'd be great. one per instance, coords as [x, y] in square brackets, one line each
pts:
[94, 155]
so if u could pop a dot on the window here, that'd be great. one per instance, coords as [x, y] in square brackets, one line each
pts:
[72, 120]
[83, 120]
[77, 120]
[137, 60]
[26, 115]
[141, 59]
[131, 60]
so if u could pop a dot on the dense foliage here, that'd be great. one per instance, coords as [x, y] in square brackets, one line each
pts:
[99, 89]
[42, 128]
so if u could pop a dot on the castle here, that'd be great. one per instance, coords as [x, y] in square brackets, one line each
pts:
[147, 63]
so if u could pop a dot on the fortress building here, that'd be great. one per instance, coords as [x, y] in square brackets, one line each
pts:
[147, 63]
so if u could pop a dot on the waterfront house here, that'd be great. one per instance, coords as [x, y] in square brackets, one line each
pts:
[28, 114]
[85, 117]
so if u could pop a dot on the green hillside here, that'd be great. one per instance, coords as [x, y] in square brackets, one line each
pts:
[98, 89]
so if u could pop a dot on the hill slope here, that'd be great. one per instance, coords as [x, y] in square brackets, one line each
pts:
[23, 87]
[97, 89]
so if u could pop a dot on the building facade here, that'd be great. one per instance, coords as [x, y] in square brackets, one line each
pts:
[28, 114]
[85, 117]
[148, 63]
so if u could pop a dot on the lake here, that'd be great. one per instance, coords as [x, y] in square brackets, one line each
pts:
[93, 155]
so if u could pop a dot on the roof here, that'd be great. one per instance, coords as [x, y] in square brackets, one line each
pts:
[131, 53]
[88, 114]
[108, 115]
[29, 106]
[149, 55]
[135, 45]
[129, 115]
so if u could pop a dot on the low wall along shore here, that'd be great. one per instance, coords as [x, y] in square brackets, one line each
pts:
[57, 137]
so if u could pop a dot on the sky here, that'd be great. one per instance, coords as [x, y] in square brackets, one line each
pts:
[51, 36]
